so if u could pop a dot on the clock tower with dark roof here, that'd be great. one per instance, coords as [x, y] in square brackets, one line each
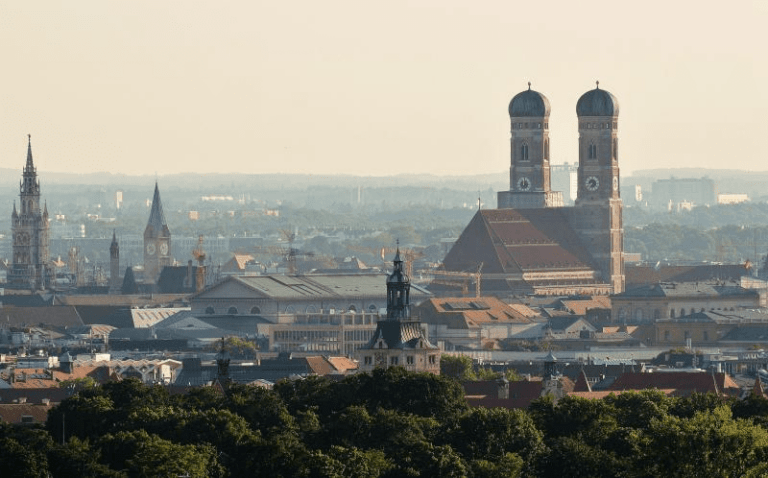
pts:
[157, 241]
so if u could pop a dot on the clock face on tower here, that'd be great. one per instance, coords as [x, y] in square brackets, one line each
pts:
[151, 249]
[592, 183]
[524, 184]
[164, 249]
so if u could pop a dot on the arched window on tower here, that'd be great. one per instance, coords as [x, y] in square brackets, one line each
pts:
[616, 149]
[546, 149]
[524, 152]
[592, 151]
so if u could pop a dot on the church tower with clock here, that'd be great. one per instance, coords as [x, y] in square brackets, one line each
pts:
[31, 268]
[529, 172]
[597, 215]
[532, 244]
[157, 241]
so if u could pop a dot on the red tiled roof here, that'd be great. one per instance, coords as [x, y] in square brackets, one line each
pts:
[330, 365]
[519, 240]
[581, 306]
[582, 384]
[521, 394]
[683, 382]
[605, 393]
[466, 312]
[23, 413]
[342, 364]
[319, 365]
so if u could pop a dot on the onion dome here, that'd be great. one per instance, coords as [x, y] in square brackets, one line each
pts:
[529, 103]
[597, 102]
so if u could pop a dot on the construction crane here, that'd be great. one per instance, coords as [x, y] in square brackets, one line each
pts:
[289, 254]
[407, 255]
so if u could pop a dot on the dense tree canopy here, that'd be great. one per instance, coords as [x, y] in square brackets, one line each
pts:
[391, 423]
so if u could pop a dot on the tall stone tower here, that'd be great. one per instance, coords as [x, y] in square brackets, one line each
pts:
[597, 215]
[114, 266]
[529, 173]
[31, 267]
[157, 241]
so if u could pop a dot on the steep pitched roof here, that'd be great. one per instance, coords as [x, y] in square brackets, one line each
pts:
[156, 224]
[513, 241]
[582, 384]
[398, 334]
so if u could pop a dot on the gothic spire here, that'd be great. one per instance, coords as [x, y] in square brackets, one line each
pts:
[156, 215]
[114, 247]
[30, 165]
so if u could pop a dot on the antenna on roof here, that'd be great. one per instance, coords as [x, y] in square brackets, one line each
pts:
[478, 201]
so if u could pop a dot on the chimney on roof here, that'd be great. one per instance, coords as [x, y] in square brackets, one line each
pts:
[503, 388]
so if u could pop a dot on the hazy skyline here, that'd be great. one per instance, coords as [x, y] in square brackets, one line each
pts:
[354, 87]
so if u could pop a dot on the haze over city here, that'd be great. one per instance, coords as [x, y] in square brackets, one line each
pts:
[349, 87]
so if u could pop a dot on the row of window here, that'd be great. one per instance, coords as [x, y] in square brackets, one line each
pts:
[639, 314]
[598, 125]
[289, 310]
[687, 335]
[532, 125]
[409, 360]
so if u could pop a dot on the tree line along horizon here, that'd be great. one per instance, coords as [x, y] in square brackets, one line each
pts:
[389, 423]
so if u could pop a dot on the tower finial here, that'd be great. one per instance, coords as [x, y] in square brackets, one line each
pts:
[529, 85]
[597, 82]
[29, 137]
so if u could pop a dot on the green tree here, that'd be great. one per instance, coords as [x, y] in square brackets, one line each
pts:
[491, 433]
[459, 367]
[342, 462]
[713, 444]
[148, 456]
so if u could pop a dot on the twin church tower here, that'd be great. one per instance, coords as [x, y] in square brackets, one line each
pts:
[531, 243]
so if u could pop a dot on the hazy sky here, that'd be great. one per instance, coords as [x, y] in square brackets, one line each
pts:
[363, 87]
